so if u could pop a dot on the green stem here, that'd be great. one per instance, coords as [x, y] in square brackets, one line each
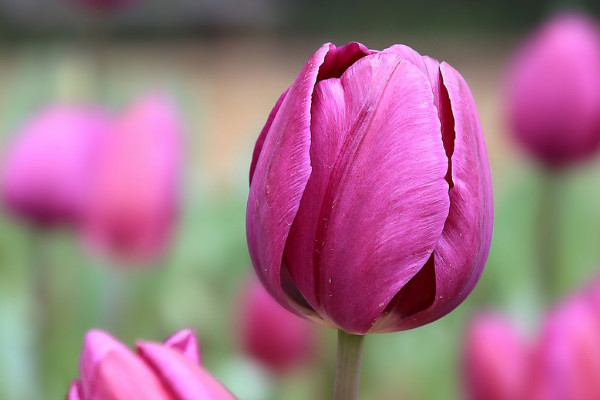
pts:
[549, 237]
[347, 371]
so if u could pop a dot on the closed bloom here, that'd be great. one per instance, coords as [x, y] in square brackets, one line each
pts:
[46, 170]
[272, 335]
[134, 194]
[370, 205]
[167, 371]
[496, 360]
[567, 359]
[553, 91]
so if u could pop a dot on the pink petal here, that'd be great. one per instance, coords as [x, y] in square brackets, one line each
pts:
[74, 391]
[496, 360]
[460, 255]
[123, 376]
[376, 202]
[187, 380]
[185, 342]
[135, 195]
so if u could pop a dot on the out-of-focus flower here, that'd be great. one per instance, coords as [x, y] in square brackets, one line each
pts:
[272, 335]
[46, 171]
[103, 5]
[567, 359]
[370, 205]
[553, 91]
[169, 371]
[496, 360]
[134, 195]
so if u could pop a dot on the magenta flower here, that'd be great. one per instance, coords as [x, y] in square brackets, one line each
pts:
[272, 335]
[370, 205]
[553, 91]
[496, 360]
[168, 371]
[46, 170]
[134, 200]
[103, 5]
[567, 359]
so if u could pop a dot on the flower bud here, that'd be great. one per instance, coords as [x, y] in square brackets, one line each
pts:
[370, 205]
[553, 91]
[169, 371]
[46, 171]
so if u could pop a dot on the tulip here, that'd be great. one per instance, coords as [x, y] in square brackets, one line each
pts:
[553, 91]
[272, 335]
[168, 371]
[134, 199]
[496, 360]
[103, 5]
[370, 204]
[567, 359]
[46, 170]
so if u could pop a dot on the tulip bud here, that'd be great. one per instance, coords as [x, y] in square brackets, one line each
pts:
[169, 371]
[134, 200]
[46, 171]
[496, 360]
[553, 91]
[567, 359]
[370, 205]
[272, 335]
[103, 5]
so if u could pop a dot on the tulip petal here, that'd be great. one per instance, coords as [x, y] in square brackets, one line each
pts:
[377, 200]
[187, 380]
[74, 391]
[123, 376]
[282, 171]
[185, 342]
[263, 134]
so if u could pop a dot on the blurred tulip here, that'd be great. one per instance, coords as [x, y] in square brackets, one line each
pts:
[496, 360]
[169, 371]
[370, 205]
[567, 360]
[46, 172]
[103, 5]
[134, 196]
[553, 91]
[272, 335]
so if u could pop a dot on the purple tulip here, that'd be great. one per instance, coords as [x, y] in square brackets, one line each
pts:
[103, 5]
[370, 205]
[567, 359]
[496, 360]
[553, 91]
[45, 174]
[169, 371]
[134, 197]
[272, 335]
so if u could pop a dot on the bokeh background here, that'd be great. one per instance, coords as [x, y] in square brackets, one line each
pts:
[225, 63]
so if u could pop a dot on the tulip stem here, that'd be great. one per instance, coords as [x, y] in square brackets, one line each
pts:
[549, 237]
[347, 371]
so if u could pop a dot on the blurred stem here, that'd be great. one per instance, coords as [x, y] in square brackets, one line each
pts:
[549, 210]
[347, 371]
[41, 300]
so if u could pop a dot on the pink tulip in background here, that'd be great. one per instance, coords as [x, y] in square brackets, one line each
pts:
[553, 91]
[370, 205]
[567, 359]
[134, 194]
[46, 170]
[272, 335]
[496, 360]
[103, 5]
[168, 371]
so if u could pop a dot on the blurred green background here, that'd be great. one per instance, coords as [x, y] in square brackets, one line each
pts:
[226, 63]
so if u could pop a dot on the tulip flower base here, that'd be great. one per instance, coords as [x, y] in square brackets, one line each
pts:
[347, 370]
